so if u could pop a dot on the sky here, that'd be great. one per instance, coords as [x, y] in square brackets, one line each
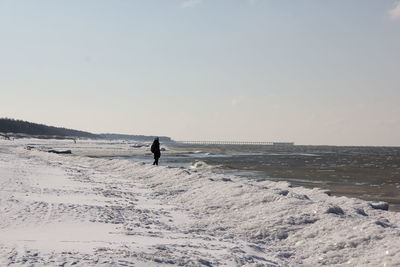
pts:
[303, 71]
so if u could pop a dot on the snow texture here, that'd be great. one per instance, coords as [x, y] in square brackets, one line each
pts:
[64, 210]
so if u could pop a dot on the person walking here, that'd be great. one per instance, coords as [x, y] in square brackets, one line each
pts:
[155, 149]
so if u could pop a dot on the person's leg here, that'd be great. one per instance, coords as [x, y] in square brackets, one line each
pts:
[156, 161]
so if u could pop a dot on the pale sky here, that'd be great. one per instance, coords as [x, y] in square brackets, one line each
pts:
[307, 71]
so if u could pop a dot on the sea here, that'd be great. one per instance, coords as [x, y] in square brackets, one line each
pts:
[369, 173]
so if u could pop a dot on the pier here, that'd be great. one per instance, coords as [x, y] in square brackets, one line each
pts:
[235, 143]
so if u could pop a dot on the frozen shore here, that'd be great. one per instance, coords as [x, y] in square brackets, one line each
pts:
[63, 210]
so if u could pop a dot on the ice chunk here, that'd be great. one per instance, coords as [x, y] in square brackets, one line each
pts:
[335, 210]
[379, 205]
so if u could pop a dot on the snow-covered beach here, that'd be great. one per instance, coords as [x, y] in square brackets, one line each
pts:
[62, 210]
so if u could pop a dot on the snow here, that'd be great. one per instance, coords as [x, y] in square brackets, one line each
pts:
[63, 210]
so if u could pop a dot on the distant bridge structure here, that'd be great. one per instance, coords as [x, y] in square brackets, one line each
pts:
[235, 143]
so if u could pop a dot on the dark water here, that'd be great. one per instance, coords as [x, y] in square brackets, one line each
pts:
[370, 173]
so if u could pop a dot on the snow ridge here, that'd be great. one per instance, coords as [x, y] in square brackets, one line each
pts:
[73, 210]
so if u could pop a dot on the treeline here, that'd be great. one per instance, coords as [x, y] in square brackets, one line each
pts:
[23, 127]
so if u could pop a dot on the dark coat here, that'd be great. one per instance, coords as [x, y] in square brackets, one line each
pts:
[155, 148]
